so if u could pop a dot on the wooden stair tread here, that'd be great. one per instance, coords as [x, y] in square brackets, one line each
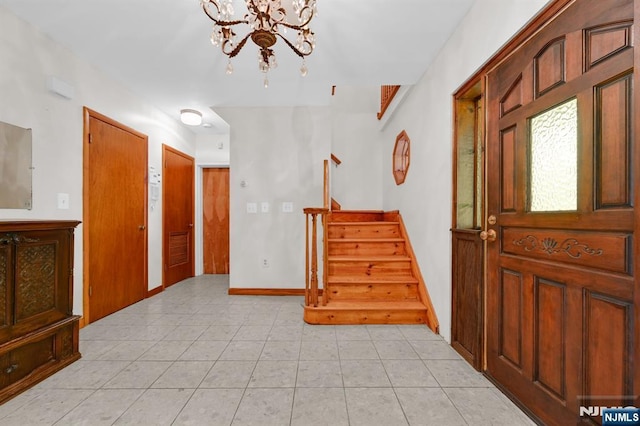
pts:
[372, 305]
[361, 211]
[380, 222]
[366, 240]
[346, 279]
[369, 258]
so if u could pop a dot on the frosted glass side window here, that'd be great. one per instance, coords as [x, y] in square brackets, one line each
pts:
[554, 159]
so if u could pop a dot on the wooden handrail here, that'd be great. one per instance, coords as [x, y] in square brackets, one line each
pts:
[386, 96]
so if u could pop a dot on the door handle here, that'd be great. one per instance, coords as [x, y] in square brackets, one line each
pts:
[191, 225]
[142, 227]
[489, 235]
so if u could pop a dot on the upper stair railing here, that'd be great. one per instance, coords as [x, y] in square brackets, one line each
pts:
[311, 246]
[386, 96]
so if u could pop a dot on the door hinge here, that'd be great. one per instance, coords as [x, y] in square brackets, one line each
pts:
[90, 138]
[90, 291]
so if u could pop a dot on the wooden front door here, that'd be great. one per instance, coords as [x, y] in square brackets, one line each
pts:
[115, 216]
[215, 190]
[562, 165]
[177, 215]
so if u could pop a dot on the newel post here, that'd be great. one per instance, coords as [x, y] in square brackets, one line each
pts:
[311, 273]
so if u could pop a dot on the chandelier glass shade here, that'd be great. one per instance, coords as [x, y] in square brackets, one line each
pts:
[266, 21]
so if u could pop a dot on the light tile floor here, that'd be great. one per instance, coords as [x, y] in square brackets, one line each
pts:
[193, 355]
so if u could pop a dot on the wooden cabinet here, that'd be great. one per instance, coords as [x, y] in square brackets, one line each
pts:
[38, 331]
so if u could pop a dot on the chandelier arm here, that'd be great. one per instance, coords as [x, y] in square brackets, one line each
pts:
[205, 8]
[219, 22]
[294, 26]
[238, 47]
[297, 52]
[302, 25]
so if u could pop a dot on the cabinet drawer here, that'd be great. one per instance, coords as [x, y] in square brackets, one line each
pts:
[15, 365]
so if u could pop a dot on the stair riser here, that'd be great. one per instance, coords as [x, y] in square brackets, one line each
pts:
[340, 317]
[345, 216]
[364, 231]
[373, 291]
[359, 270]
[367, 249]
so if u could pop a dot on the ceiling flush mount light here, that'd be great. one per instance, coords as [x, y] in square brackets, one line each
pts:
[191, 117]
[267, 21]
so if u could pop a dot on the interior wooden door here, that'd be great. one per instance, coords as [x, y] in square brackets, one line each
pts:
[562, 161]
[177, 215]
[215, 193]
[115, 197]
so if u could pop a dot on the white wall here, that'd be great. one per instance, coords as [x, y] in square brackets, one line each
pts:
[27, 57]
[278, 153]
[356, 183]
[426, 114]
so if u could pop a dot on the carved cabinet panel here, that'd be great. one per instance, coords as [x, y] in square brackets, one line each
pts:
[38, 332]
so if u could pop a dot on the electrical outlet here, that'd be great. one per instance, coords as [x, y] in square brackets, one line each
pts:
[252, 208]
[265, 262]
[287, 207]
[264, 207]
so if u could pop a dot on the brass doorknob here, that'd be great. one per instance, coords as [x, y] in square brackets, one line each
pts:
[489, 235]
[142, 227]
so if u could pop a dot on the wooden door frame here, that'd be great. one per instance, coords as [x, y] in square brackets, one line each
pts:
[87, 114]
[534, 25]
[471, 90]
[166, 148]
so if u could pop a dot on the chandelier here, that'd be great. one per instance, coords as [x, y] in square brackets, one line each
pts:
[267, 20]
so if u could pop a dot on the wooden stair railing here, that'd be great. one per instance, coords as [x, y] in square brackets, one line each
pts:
[386, 96]
[311, 291]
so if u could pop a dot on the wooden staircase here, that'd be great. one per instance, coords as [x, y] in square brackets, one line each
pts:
[372, 276]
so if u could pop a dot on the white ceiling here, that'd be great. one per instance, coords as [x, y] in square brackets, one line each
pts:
[160, 49]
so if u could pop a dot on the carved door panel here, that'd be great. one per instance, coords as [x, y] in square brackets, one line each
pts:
[6, 271]
[178, 209]
[30, 271]
[38, 298]
[560, 169]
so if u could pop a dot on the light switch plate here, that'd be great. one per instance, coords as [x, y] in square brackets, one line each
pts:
[287, 207]
[252, 208]
[63, 201]
[264, 207]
